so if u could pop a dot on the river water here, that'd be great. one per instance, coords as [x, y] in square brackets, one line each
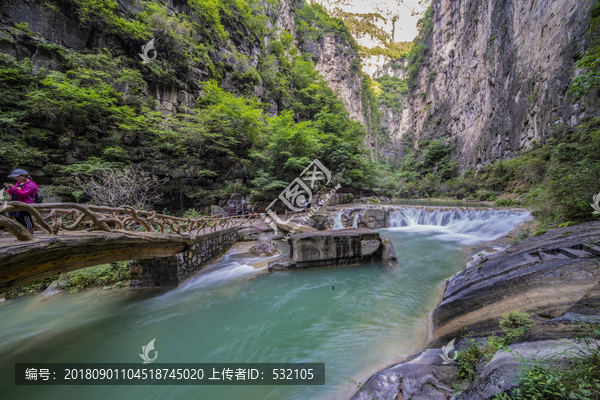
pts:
[356, 320]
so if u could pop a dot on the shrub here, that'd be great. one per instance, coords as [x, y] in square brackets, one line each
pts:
[117, 187]
[521, 236]
[540, 232]
[469, 359]
[193, 213]
[107, 274]
[504, 202]
[515, 323]
[485, 195]
[350, 198]
[572, 374]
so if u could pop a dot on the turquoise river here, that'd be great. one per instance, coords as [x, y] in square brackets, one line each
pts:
[356, 320]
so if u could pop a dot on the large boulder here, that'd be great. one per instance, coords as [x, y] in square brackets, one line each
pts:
[252, 232]
[371, 218]
[264, 246]
[330, 248]
[321, 221]
[386, 252]
[218, 211]
[345, 247]
[338, 198]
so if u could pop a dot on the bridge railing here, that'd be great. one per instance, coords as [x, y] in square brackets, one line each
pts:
[56, 217]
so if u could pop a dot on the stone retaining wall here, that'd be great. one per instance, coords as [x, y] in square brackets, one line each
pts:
[171, 271]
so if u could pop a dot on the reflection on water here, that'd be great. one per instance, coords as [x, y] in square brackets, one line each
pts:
[437, 203]
[354, 319]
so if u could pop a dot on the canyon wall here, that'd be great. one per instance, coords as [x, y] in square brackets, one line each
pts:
[495, 79]
[334, 63]
[60, 24]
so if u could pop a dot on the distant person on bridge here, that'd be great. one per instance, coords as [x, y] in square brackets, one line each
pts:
[24, 191]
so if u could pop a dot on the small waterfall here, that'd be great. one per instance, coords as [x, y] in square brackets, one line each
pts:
[467, 225]
[337, 222]
[355, 221]
[51, 290]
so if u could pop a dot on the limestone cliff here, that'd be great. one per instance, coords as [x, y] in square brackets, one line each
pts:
[495, 78]
[334, 63]
[60, 24]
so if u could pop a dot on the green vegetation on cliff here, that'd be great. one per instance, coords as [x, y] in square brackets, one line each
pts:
[392, 91]
[96, 108]
[558, 176]
[589, 79]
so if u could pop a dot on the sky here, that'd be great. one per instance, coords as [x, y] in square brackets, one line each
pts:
[408, 12]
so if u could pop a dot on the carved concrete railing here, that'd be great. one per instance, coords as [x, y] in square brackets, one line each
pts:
[51, 216]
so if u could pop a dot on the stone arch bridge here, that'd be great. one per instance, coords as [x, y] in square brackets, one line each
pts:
[166, 249]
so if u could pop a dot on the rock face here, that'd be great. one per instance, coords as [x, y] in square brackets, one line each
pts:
[321, 221]
[264, 246]
[380, 65]
[424, 378]
[502, 372]
[331, 248]
[386, 251]
[218, 211]
[545, 277]
[505, 87]
[334, 63]
[373, 218]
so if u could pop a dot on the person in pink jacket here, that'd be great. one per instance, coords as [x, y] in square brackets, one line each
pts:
[24, 191]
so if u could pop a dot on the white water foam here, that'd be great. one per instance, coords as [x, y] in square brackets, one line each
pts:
[337, 222]
[468, 226]
[355, 221]
[225, 273]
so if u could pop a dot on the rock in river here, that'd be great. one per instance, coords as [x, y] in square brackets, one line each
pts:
[330, 248]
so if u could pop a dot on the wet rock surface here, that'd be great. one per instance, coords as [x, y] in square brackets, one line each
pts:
[545, 276]
[332, 248]
[555, 278]
[423, 378]
[265, 246]
[372, 218]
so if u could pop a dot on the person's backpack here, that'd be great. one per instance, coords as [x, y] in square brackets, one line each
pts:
[39, 198]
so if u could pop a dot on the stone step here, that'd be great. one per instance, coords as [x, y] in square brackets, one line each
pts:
[531, 257]
[575, 253]
[595, 250]
[551, 255]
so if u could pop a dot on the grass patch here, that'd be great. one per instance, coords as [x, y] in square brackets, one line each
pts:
[109, 275]
[513, 323]
[572, 374]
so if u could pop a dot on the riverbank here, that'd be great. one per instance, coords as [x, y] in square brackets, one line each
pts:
[553, 277]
